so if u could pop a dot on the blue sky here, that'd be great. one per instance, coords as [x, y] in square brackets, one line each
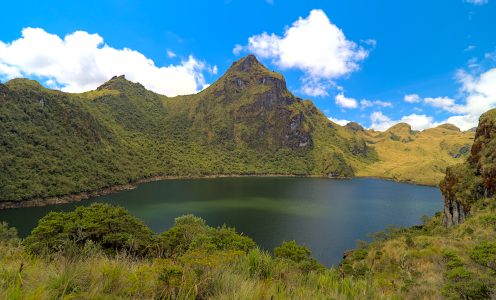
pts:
[357, 60]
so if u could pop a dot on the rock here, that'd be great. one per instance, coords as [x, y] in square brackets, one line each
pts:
[454, 213]
[468, 182]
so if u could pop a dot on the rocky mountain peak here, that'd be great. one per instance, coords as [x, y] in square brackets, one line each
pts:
[119, 83]
[247, 63]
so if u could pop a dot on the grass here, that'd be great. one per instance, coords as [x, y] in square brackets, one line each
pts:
[417, 157]
[219, 275]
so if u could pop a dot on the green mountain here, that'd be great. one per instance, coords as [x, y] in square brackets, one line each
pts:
[101, 251]
[55, 144]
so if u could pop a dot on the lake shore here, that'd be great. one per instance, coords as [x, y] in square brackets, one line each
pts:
[56, 200]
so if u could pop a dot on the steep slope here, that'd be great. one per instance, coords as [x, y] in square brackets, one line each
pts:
[55, 144]
[474, 179]
[415, 156]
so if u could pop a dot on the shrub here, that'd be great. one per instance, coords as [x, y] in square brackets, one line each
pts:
[298, 254]
[112, 228]
[190, 232]
[485, 254]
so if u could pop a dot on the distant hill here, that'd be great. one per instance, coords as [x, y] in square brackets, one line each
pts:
[414, 156]
[247, 123]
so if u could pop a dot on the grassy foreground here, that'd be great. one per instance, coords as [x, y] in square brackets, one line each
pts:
[91, 254]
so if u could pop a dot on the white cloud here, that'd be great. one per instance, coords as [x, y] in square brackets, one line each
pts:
[313, 45]
[339, 121]
[82, 61]
[419, 122]
[381, 122]
[444, 103]
[412, 98]
[345, 102]
[470, 48]
[171, 54]
[237, 49]
[478, 2]
[479, 96]
[314, 88]
[371, 103]
[214, 70]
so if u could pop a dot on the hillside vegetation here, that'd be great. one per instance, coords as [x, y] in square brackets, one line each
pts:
[415, 156]
[247, 123]
[103, 252]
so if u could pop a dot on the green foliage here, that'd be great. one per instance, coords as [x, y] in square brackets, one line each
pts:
[485, 254]
[463, 284]
[292, 251]
[7, 234]
[192, 233]
[298, 254]
[112, 228]
[260, 264]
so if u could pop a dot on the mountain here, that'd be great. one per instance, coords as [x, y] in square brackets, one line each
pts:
[414, 156]
[55, 144]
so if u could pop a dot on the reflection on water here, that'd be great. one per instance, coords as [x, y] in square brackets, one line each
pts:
[326, 215]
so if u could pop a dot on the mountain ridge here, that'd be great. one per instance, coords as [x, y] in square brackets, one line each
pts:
[247, 123]
[56, 144]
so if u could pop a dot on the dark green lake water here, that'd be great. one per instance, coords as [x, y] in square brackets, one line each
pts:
[328, 216]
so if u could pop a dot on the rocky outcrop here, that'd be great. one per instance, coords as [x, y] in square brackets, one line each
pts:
[468, 182]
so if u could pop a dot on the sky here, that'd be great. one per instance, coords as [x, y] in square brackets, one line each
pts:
[377, 63]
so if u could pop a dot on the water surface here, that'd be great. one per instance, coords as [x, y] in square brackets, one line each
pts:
[328, 216]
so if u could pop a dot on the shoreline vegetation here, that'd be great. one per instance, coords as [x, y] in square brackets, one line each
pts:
[102, 251]
[40, 202]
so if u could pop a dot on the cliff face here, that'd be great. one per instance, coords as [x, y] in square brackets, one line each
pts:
[474, 179]
[256, 110]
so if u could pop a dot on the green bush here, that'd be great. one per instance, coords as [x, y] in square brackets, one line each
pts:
[485, 254]
[462, 284]
[190, 232]
[112, 228]
[298, 254]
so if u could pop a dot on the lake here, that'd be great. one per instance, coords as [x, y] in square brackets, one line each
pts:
[326, 215]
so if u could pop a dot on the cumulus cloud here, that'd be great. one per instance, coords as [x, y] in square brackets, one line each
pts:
[412, 98]
[313, 45]
[341, 122]
[381, 122]
[444, 103]
[345, 102]
[478, 93]
[82, 61]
